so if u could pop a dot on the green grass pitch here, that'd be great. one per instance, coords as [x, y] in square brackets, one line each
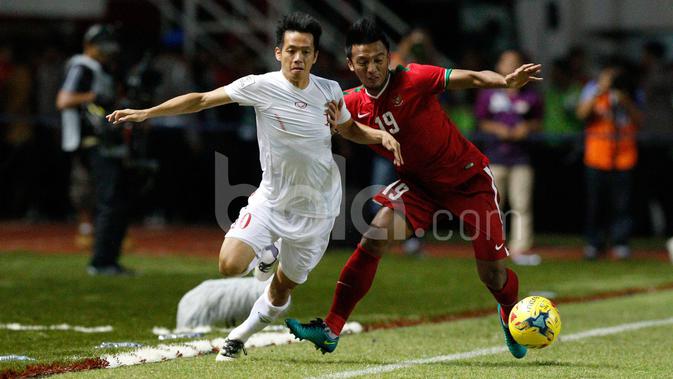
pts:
[40, 289]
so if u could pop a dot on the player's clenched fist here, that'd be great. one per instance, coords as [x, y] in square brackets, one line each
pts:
[123, 115]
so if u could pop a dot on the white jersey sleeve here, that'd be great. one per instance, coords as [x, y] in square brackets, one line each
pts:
[245, 91]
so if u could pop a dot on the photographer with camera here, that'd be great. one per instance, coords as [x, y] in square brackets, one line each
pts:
[612, 117]
[86, 96]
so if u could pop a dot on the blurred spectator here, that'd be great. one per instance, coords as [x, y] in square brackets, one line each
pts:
[560, 98]
[18, 171]
[206, 76]
[608, 107]
[416, 47]
[657, 129]
[53, 179]
[176, 78]
[88, 92]
[507, 117]
[48, 78]
[459, 104]
[173, 141]
[5, 64]
[577, 65]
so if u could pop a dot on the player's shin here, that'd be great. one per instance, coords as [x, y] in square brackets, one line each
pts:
[354, 282]
[508, 295]
[263, 313]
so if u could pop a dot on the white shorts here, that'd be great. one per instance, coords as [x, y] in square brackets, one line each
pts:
[304, 239]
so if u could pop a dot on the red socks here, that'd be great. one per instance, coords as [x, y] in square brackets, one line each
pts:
[354, 282]
[508, 295]
[357, 277]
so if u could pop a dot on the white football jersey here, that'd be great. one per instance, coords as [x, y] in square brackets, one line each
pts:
[299, 174]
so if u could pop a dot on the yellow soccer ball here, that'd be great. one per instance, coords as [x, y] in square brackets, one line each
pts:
[535, 322]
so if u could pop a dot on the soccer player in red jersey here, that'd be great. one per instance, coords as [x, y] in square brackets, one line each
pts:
[443, 174]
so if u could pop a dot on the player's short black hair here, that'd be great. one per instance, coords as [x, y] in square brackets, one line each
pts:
[298, 22]
[365, 31]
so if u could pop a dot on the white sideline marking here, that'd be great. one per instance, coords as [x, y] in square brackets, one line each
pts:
[160, 331]
[497, 349]
[166, 352]
[81, 329]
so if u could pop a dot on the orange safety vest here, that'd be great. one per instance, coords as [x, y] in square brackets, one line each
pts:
[608, 147]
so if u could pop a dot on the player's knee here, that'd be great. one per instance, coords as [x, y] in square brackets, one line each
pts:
[231, 267]
[374, 246]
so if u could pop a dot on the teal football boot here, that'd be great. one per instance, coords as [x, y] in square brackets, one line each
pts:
[315, 331]
[517, 350]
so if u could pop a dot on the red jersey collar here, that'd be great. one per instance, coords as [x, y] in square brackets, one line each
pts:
[382, 89]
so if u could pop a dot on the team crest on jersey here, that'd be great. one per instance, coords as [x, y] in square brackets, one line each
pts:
[300, 104]
[246, 81]
[397, 100]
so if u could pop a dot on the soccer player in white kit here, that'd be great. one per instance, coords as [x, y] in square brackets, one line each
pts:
[299, 196]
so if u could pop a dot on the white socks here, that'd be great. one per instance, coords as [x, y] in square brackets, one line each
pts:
[263, 313]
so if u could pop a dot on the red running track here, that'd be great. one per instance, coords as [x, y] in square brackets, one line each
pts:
[205, 242]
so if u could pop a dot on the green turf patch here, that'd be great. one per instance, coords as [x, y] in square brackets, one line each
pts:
[626, 354]
[53, 289]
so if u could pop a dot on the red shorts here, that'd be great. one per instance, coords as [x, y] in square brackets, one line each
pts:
[474, 203]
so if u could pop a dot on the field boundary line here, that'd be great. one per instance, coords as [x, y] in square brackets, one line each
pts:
[185, 349]
[61, 327]
[598, 332]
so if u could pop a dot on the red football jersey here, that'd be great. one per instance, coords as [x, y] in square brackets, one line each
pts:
[433, 149]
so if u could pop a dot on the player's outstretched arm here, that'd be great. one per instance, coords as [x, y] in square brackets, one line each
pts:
[362, 134]
[462, 79]
[188, 103]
